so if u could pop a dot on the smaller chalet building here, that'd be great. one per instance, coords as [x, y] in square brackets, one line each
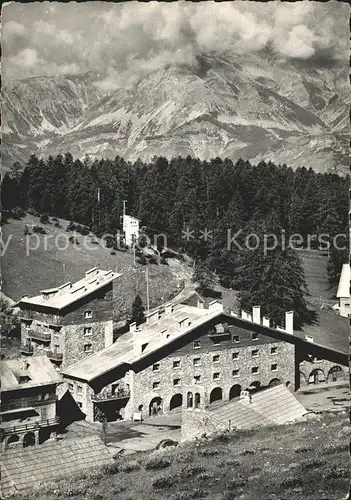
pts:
[70, 322]
[184, 356]
[28, 401]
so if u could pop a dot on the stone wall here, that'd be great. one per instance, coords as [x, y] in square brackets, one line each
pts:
[325, 371]
[195, 423]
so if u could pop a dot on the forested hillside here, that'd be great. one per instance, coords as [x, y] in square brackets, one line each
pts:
[189, 196]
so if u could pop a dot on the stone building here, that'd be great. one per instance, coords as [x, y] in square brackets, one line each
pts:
[70, 322]
[183, 356]
[28, 401]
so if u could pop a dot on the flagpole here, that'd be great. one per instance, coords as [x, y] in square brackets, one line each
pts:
[147, 290]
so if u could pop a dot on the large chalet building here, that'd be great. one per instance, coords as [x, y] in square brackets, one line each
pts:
[69, 322]
[183, 356]
[28, 401]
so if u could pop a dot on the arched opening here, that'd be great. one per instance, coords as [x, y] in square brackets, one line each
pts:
[29, 439]
[303, 379]
[176, 401]
[316, 376]
[255, 386]
[287, 384]
[14, 438]
[197, 400]
[216, 395]
[155, 406]
[235, 391]
[274, 382]
[189, 400]
[335, 373]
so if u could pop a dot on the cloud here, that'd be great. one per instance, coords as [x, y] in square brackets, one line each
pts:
[124, 41]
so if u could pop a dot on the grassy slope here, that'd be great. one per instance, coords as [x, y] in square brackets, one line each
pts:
[48, 267]
[308, 460]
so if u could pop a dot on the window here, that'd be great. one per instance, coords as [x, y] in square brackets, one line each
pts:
[254, 353]
[274, 350]
[196, 344]
[274, 367]
[70, 387]
[176, 382]
[236, 338]
[156, 385]
[196, 361]
[235, 355]
[255, 336]
[197, 379]
[156, 367]
[88, 330]
[88, 314]
[216, 358]
[176, 364]
[216, 376]
[235, 373]
[79, 389]
[88, 348]
[254, 369]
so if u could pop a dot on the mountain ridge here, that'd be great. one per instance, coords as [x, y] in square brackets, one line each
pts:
[243, 106]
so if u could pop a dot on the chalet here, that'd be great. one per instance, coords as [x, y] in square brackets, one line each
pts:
[69, 322]
[28, 401]
[343, 293]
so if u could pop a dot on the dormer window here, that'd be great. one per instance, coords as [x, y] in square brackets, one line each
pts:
[88, 314]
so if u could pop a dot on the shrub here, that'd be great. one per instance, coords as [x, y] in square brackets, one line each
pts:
[130, 466]
[152, 260]
[157, 462]
[248, 452]
[71, 226]
[44, 219]
[335, 448]
[18, 213]
[291, 482]
[142, 260]
[113, 253]
[190, 470]
[39, 229]
[26, 230]
[162, 482]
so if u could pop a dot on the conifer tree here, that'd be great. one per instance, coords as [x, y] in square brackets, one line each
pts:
[138, 315]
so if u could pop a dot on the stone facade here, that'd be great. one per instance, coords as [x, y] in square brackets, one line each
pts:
[204, 368]
[174, 379]
[79, 330]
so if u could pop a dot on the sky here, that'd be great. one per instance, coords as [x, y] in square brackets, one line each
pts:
[123, 41]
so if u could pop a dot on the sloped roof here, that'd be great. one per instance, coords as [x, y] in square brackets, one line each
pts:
[39, 369]
[64, 295]
[344, 283]
[276, 405]
[29, 467]
[123, 352]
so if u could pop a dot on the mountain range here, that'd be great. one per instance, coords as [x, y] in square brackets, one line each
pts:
[254, 106]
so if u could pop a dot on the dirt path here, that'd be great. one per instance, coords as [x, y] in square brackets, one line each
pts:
[184, 274]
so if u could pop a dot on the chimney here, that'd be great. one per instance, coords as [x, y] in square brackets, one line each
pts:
[64, 288]
[256, 314]
[168, 309]
[266, 321]
[133, 327]
[152, 318]
[25, 365]
[91, 272]
[289, 322]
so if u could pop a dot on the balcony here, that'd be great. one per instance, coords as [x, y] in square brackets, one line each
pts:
[30, 426]
[26, 349]
[42, 336]
[54, 356]
[23, 403]
[111, 396]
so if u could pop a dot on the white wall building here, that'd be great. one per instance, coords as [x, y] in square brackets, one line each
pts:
[343, 293]
[131, 229]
